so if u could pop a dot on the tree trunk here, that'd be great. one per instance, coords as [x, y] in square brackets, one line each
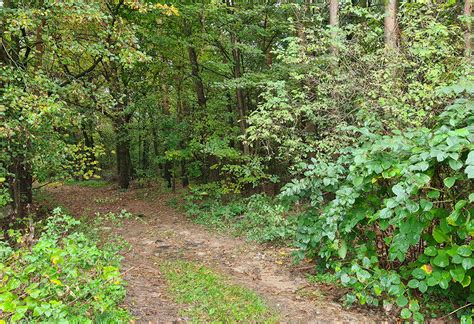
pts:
[390, 23]
[20, 184]
[239, 93]
[144, 158]
[468, 32]
[197, 78]
[123, 154]
[334, 23]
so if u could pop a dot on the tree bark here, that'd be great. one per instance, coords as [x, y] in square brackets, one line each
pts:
[197, 78]
[239, 93]
[334, 23]
[20, 184]
[390, 24]
[123, 153]
[468, 32]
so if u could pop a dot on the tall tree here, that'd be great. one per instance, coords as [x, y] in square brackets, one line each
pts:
[334, 22]
[390, 24]
[468, 32]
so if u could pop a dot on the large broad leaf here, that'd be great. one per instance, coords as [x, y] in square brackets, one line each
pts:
[470, 158]
[457, 274]
[468, 263]
[439, 235]
[441, 260]
[464, 250]
[449, 182]
[342, 251]
[402, 301]
[470, 171]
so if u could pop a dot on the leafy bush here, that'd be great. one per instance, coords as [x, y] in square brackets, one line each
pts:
[393, 215]
[258, 218]
[64, 275]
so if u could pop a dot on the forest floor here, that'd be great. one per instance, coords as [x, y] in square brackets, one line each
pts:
[159, 233]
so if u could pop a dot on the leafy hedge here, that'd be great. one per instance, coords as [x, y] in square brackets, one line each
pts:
[393, 215]
[62, 276]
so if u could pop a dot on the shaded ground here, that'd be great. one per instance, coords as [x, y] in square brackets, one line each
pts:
[159, 232]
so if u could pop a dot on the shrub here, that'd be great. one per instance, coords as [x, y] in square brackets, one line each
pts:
[258, 218]
[393, 215]
[64, 275]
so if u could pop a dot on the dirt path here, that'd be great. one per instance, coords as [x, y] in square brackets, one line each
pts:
[160, 232]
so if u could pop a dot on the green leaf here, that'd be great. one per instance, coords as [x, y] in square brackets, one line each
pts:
[444, 284]
[430, 251]
[414, 306]
[466, 281]
[455, 164]
[464, 250]
[413, 283]
[433, 194]
[402, 301]
[357, 181]
[470, 158]
[405, 313]
[471, 197]
[345, 279]
[439, 235]
[468, 263]
[422, 287]
[342, 251]
[457, 274]
[418, 273]
[469, 171]
[441, 260]
[449, 182]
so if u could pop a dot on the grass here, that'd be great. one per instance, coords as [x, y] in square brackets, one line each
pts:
[211, 298]
[88, 183]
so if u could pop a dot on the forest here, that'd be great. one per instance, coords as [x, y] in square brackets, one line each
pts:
[236, 161]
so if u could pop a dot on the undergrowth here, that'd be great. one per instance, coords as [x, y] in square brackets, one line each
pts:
[257, 218]
[62, 275]
[88, 183]
[210, 298]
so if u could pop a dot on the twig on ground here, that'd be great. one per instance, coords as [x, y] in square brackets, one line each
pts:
[456, 310]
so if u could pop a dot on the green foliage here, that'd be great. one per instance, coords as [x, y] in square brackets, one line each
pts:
[211, 298]
[83, 161]
[393, 214]
[257, 218]
[88, 183]
[63, 276]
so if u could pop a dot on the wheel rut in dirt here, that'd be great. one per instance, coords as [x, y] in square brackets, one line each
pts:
[159, 232]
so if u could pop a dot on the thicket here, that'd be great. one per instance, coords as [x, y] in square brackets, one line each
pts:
[60, 274]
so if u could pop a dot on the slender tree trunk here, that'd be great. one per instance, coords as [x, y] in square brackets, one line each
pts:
[239, 93]
[390, 23]
[334, 23]
[145, 154]
[197, 78]
[468, 32]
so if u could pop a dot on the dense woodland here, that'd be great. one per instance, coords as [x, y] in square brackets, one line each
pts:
[342, 128]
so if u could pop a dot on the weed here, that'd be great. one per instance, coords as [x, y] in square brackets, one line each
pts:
[63, 276]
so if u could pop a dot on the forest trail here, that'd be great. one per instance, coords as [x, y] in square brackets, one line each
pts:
[158, 232]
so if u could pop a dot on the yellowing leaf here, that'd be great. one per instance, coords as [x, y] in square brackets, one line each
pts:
[56, 282]
[427, 268]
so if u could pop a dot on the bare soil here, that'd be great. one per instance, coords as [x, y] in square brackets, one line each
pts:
[160, 232]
